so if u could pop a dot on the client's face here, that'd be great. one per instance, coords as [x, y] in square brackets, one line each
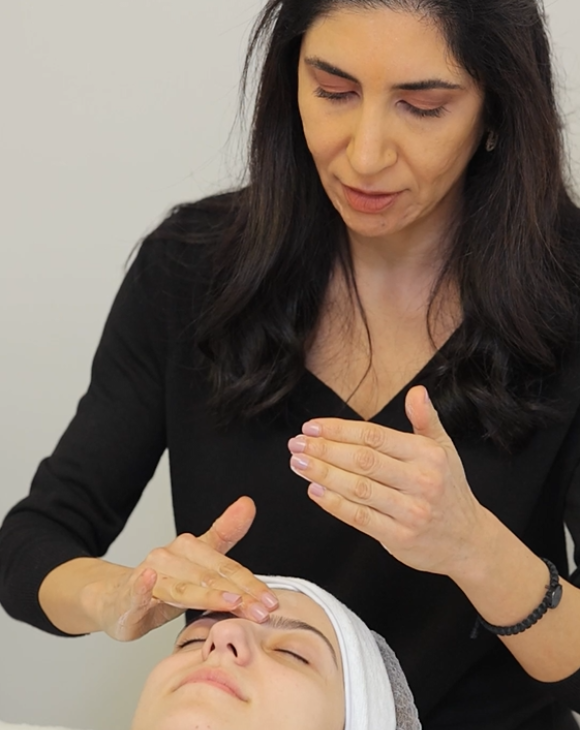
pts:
[228, 673]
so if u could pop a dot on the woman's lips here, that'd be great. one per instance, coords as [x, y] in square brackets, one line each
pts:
[369, 202]
[217, 678]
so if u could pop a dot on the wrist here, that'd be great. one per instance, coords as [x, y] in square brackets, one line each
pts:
[476, 560]
[505, 581]
[551, 600]
[72, 595]
[99, 591]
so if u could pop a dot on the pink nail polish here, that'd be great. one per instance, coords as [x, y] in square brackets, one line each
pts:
[269, 600]
[311, 429]
[257, 612]
[297, 445]
[317, 490]
[299, 462]
[232, 598]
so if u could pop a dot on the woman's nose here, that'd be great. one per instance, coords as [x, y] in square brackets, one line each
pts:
[230, 637]
[371, 149]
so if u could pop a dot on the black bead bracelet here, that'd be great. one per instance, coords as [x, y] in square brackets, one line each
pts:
[551, 600]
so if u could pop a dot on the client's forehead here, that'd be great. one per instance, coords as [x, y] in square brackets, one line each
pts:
[297, 605]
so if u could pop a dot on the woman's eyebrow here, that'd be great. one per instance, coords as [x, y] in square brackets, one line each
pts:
[275, 622]
[329, 68]
[425, 85]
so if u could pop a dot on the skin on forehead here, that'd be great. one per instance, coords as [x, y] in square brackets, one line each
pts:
[365, 44]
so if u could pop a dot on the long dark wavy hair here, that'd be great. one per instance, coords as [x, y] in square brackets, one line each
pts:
[514, 254]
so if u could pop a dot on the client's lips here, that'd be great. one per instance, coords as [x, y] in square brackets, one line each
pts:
[369, 202]
[217, 678]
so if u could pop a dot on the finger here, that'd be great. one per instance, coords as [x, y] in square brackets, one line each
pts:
[359, 491]
[231, 526]
[363, 518]
[178, 575]
[136, 620]
[423, 416]
[142, 596]
[181, 596]
[144, 581]
[191, 596]
[397, 444]
[359, 460]
[190, 560]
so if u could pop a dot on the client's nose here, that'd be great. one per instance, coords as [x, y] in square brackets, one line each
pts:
[232, 637]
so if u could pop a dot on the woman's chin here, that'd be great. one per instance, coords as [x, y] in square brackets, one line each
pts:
[378, 228]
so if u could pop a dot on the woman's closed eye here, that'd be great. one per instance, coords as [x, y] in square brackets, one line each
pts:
[333, 95]
[343, 96]
[421, 112]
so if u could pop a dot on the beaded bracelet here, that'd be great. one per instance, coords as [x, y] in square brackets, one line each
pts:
[551, 600]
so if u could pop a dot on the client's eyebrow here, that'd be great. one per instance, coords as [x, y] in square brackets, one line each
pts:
[291, 624]
[282, 623]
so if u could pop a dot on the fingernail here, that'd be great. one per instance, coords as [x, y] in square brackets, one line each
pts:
[311, 429]
[232, 598]
[317, 490]
[299, 462]
[427, 399]
[297, 445]
[269, 600]
[143, 590]
[258, 612]
[180, 606]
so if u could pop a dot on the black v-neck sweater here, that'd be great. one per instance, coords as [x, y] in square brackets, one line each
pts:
[148, 394]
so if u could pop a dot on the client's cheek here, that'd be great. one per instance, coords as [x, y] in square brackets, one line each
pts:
[296, 702]
[159, 686]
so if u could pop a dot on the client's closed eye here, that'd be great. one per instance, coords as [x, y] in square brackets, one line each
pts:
[294, 654]
[191, 641]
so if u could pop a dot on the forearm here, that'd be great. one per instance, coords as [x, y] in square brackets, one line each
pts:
[70, 594]
[505, 582]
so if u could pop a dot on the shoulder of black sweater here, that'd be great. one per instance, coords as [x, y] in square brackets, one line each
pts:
[198, 222]
[172, 263]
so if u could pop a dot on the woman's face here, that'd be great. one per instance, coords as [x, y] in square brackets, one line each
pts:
[228, 673]
[386, 109]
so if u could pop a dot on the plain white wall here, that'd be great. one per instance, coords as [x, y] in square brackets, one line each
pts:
[111, 112]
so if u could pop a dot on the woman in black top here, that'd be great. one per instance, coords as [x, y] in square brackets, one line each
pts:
[406, 230]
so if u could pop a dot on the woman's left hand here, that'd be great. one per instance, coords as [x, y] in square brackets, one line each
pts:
[408, 491]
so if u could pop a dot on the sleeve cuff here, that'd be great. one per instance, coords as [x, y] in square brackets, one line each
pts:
[24, 570]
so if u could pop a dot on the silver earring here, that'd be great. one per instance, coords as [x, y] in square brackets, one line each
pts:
[492, 141]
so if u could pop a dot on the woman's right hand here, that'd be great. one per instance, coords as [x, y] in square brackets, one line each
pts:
[190, 572]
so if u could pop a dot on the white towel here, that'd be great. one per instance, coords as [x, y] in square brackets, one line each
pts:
[369, 697]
